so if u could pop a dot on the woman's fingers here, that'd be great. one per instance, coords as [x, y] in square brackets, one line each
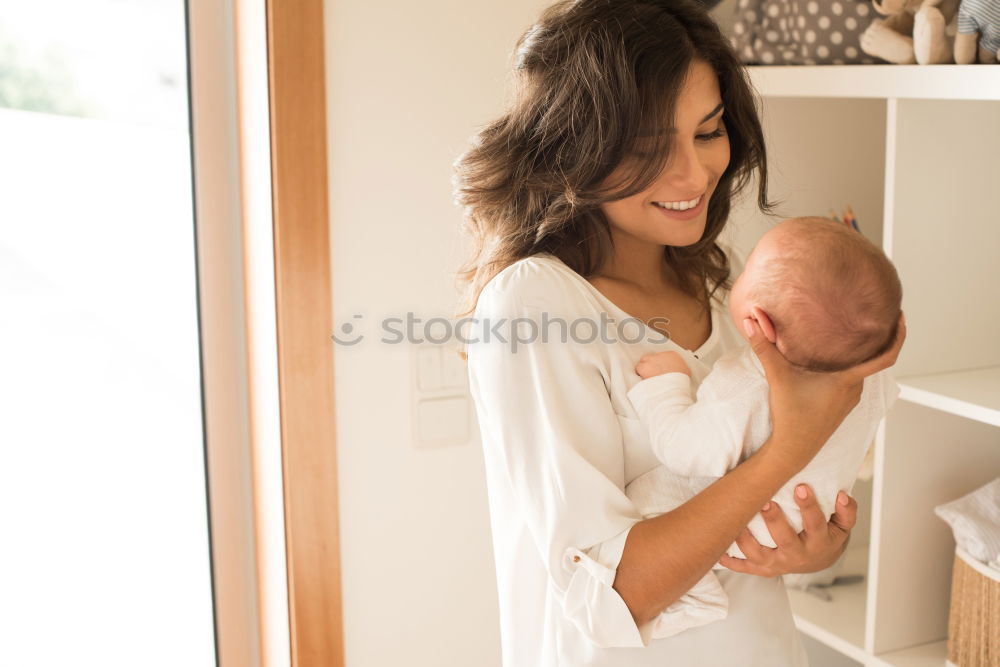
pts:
[777, 524]
[735, 564]
[750, 547]
[845, 514]
[759, 559]
[813, 521]
[771, 359]
[775, 363]
[818, 545]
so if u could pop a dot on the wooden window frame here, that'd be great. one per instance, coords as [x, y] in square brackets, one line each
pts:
[296, 58]
[258, 124]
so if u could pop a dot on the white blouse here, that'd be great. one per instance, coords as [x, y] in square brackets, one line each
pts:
[550, 363]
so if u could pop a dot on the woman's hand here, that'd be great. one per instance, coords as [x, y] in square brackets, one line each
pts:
[817, 547]
[807, 407]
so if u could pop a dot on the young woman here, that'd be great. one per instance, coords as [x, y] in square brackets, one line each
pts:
[600, 194]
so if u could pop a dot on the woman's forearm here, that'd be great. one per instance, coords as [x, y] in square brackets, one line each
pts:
[666, 555]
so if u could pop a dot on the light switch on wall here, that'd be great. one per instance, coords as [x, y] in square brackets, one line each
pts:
[429, 368]
[442, 421]
[442, 406]
[454, 371]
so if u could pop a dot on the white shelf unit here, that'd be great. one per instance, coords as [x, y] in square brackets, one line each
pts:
[925, 82]
[840, 622]
[914, 151]
[973, 394]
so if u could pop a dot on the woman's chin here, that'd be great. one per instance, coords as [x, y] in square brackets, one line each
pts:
[676, 233]
[687, 237]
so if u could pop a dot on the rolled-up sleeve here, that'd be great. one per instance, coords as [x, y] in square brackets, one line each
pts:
[551, 435]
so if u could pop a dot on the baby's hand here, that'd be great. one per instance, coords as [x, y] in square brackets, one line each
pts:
[659, 363]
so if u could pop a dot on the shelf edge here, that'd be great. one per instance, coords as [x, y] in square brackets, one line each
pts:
[940, 82]
[827, 638]
[949, 404]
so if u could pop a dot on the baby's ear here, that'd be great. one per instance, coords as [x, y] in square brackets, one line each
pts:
[764, 322]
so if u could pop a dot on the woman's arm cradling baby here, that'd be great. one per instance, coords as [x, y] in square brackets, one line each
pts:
[806, 408]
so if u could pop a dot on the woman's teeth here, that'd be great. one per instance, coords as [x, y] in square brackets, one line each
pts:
[678, 205]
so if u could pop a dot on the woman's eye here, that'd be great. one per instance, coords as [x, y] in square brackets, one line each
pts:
[711, 135]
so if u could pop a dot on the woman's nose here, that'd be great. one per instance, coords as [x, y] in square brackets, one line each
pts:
[684, 171]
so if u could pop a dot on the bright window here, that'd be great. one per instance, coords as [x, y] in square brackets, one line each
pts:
[105, 556]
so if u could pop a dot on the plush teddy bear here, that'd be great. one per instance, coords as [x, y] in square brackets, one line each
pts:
[978, 20]
[914, 31]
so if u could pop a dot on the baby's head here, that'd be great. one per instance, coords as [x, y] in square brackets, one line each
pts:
[833, 296]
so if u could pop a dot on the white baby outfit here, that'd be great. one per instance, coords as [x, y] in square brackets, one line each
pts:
[698, 439]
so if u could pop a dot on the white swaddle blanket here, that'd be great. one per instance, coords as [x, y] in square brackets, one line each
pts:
[699, 438]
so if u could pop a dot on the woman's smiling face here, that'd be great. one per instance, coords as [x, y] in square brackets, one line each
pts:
[673, 210]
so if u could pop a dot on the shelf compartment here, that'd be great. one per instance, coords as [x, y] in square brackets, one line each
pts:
[924, 457]
[973, 394]
[934, 654]
[942, 233]
[931, 82]
[838, 623]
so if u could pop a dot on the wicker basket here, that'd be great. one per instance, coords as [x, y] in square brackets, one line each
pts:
[974, 616]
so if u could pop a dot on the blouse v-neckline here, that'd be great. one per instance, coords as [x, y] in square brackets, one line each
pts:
[610, 305]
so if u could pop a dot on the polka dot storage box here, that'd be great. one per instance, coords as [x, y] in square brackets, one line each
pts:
[802, 32]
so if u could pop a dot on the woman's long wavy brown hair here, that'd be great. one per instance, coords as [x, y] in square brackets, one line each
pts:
[589, 77]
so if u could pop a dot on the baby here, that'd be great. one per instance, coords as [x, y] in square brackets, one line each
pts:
[828, 299]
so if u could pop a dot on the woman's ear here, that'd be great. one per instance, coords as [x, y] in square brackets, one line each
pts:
[764, 322]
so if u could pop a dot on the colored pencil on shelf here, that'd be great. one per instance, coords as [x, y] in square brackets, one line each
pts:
[853, 218]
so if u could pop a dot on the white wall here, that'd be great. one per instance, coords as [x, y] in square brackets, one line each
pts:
[408, 84]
